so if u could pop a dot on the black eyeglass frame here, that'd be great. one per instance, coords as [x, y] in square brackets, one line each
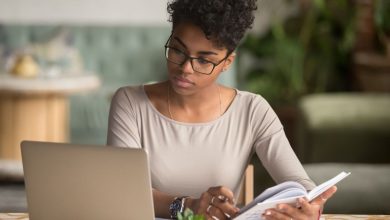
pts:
[188, 57]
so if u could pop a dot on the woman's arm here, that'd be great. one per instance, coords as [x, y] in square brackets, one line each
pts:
[122, 121]
[277, 156]
[161, 202]
[272, 146]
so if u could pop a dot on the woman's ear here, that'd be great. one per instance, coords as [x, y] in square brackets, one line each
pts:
[229, 60]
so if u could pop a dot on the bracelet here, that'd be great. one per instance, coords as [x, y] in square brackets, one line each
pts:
[183, 202]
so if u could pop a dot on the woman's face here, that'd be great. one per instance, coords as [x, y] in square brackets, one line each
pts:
[189, 40]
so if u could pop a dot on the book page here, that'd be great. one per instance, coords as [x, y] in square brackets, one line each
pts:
[287, 192]
[326, 185]
[254, 213]
[280, 191]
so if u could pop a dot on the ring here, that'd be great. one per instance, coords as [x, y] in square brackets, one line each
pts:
[208, 208]
[212, 200]
[221, 197]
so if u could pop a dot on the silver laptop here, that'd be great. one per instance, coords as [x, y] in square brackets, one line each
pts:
[68, 181]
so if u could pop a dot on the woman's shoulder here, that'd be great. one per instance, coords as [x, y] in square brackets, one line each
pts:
[128, 92]
[261, 115]
[251, 99]
[138, 94]
[255, 105]
[156, 90]
[139, 91]
[141, 94]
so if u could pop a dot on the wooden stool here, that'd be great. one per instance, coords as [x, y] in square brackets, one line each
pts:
[37, 109]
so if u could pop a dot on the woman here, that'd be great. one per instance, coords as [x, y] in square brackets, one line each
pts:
[201, 135]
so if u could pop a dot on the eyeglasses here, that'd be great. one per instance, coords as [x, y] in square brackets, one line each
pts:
[198, 64]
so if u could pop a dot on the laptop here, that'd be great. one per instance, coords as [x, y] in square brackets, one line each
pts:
[70, 181]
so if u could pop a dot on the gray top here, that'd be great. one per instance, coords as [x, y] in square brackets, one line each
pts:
[188, 158]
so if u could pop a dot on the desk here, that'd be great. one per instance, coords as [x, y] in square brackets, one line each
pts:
[24, 216]
[37, 109]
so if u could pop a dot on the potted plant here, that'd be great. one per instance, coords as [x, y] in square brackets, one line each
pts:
[307, 53]
[189, 215]
[372, 54]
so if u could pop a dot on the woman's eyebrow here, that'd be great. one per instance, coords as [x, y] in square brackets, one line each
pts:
[199, 52]
[181, 42]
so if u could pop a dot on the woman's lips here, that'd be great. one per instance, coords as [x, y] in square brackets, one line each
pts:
[182, 82]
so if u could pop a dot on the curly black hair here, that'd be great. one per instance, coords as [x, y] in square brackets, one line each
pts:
[223, 21]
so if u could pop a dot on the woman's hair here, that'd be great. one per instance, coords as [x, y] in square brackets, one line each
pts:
[222, 21]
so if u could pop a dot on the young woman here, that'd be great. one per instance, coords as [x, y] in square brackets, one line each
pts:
[201, 135]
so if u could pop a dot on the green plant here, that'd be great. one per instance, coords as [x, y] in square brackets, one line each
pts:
[382, 24]
[189, 215]
[279, 75]
[307, 53]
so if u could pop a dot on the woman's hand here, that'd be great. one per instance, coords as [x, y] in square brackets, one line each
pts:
[307, 211]
[216, 203]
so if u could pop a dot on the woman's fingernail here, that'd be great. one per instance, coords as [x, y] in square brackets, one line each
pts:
[268, 213]
[280, 208]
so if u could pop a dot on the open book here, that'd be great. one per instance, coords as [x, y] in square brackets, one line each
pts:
[287, 192]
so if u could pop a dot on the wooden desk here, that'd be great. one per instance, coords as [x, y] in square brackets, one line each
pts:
[37, 109]
[354, 217]
[24, 216]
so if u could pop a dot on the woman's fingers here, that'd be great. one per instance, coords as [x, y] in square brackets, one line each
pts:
[321, 200]
[216, 203]
[228, 209]
[272, 214]
[222, 193]
[291, 211]
[305, 210]
[223, 199]
[215, 213]
[204, 203]
[310, 210]
[209, 210]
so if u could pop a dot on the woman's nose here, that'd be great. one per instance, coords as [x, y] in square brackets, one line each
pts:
[187, 67]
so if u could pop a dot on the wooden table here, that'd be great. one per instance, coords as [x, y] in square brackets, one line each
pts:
[37, 109]
[24, 216]
[354, 217]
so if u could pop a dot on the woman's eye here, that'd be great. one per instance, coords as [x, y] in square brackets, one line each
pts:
[178, 52]
[203, 61]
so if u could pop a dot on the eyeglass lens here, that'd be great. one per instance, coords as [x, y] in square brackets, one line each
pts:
[198, 64]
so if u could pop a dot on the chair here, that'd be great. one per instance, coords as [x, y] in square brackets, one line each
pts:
[246, 193]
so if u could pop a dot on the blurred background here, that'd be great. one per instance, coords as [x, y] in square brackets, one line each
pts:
[324, 66]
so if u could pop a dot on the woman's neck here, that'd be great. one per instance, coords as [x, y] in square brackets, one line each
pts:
[205, 103]
[202, 97]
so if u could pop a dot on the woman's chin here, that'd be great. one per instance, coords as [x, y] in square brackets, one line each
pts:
[181, 87]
